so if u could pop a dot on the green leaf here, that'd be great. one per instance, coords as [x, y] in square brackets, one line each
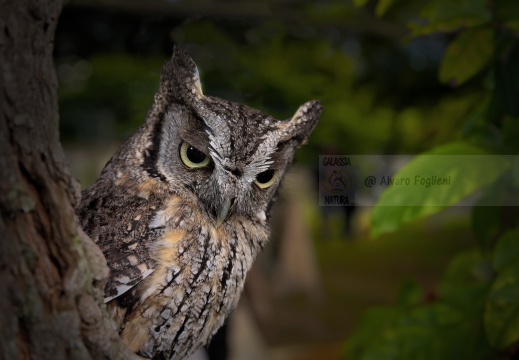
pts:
[502, 308]
[401, 204]
[371, 327]
[428, 332]
[466, 281]
[467, 55]
[410, 294]
[360, 3]
[383, 6]
[450, 15]
[507, 251]
[449, 328]
[478, 130]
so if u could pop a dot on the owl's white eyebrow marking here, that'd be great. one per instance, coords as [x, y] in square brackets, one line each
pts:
[261, 159]
[219, 145]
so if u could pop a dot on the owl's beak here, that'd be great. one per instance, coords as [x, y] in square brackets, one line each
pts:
[223, 211]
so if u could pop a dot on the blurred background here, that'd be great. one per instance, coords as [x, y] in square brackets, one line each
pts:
[396, 77]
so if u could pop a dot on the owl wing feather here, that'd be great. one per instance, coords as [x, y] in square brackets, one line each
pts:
[127, 246]
[126, 271]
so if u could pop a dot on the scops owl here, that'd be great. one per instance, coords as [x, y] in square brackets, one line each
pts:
[181, 211]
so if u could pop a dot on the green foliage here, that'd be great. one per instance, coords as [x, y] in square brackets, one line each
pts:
[450, 15]
[286, 66]
[360, 3]
[493, 125]
[467, 55]
[507, 251]
[275, 66]
[383, 6]
[475, 313]
[422, 327]
[502, 308]
[399, 205]
[111, 99]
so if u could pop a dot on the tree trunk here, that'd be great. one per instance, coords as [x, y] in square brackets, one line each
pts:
[51, 275]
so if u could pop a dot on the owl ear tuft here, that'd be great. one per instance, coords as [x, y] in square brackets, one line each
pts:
[300, 126]
[180, 77]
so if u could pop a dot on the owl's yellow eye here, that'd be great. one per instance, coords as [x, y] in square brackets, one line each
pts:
[266, 178]
[192, 157]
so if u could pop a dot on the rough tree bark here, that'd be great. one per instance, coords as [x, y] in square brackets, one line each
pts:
[51, 275]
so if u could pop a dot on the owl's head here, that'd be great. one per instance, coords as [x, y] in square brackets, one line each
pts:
[226, 157]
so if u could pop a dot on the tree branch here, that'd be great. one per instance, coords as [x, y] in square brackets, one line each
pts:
[51, 278]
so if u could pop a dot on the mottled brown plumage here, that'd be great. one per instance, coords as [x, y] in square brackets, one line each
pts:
[180, 211]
